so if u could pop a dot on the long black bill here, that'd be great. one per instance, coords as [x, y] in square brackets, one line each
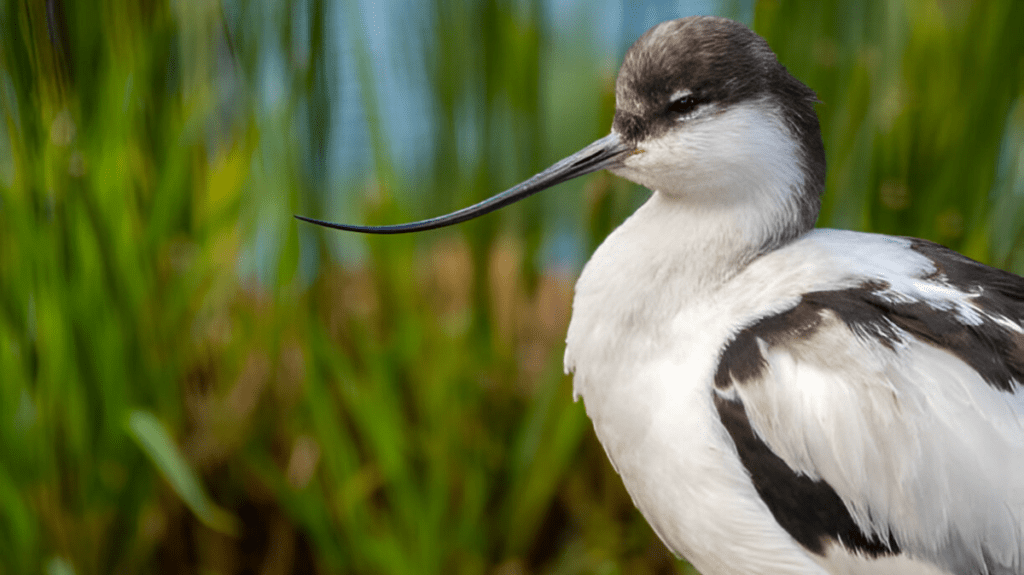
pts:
[607, 152]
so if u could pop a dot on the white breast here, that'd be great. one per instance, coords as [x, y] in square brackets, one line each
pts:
[644, 343]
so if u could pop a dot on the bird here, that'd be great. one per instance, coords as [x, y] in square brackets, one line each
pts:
[779, 398]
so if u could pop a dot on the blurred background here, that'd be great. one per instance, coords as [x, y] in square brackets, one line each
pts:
[191, 381]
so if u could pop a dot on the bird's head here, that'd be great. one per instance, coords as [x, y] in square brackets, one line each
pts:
[712, 116]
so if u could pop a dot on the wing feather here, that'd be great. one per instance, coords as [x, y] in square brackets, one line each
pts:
[908, 406]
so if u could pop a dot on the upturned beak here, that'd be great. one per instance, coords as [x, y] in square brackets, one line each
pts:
[608, 152]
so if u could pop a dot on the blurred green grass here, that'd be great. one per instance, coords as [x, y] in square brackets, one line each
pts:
[179, 393]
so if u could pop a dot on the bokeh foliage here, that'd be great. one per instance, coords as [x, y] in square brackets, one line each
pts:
[190, 381]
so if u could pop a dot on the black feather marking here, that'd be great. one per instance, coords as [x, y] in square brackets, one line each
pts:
[998, 292]
[809, 510]
[995, 351]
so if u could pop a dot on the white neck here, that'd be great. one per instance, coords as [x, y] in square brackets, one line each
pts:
[667, 253]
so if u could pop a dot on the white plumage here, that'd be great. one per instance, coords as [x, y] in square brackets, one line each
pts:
[779, 399]
[911, 438]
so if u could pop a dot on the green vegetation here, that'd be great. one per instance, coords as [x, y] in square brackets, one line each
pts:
[191, 382]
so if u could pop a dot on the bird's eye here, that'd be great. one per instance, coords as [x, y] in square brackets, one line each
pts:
[684, 106]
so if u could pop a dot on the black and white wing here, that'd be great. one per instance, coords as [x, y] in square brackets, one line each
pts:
[887, 420]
